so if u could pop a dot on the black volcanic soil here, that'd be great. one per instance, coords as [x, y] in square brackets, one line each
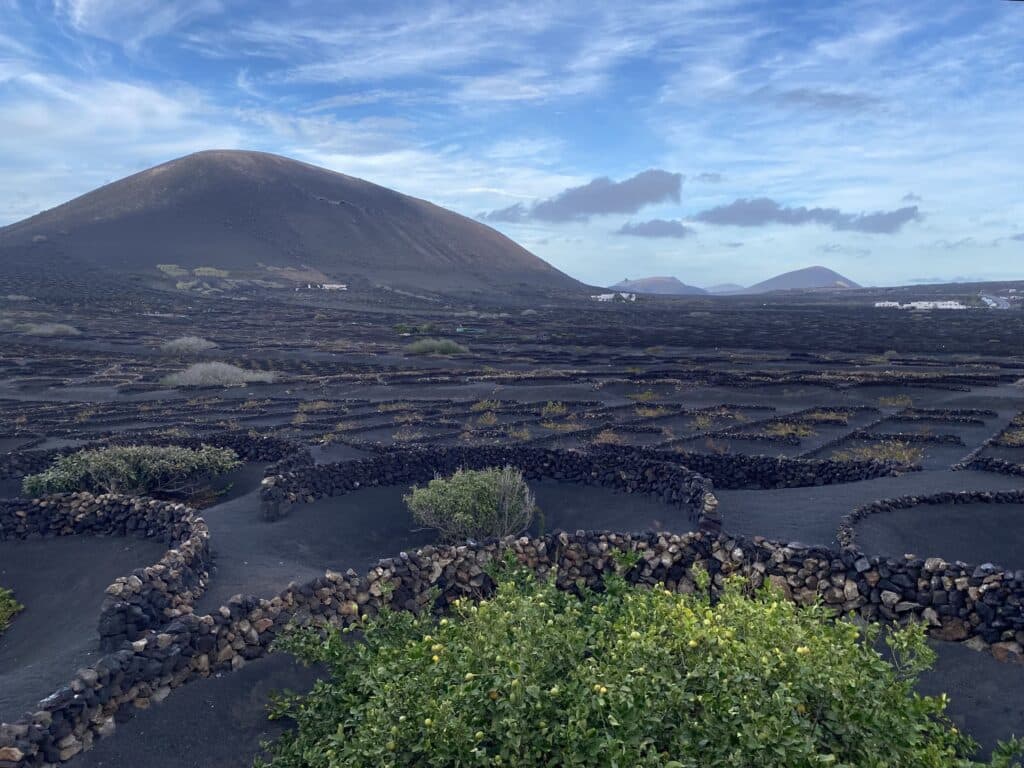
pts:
[973, 533]
[812, 515]
[60, 582]
[218, 722]
[256, 557]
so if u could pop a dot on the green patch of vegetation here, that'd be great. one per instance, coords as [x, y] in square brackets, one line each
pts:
[518, 433]
[187, 345]
[552, 408]
[1013, 438]
[8, 608]
[216, 375]
[484, 405]
[407, 434]
[562, 426]
[314, 406]
[608, 437]
[474, 504]
[887, 450]
[896, 401]
[399, 405]
[651, 412]
[789, 429]
[134, 470]
[642, 397]
[49, 329]
[487, 419]
[827, 417]
[625, 676]
[436, 347]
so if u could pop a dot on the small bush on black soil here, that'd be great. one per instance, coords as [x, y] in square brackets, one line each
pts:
[187, 345]
[642, 397]
[553, 409]
[215, 375]
[484, 405]
[8, 607]
[789, 429]
[625, 676]
[896, 401]
[436, 347]
[474, 504]
[888, 450]
[608, 437]
[49, 329]
[134, 470]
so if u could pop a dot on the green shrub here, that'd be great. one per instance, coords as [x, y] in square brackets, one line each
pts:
[624, 677]
[8, 607]
[134, 470]
[436, 347]
[215, 375]
[187, 345]
[888, 450]
[474, 504]
[50, 329]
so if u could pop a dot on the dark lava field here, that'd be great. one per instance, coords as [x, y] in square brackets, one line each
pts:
[687, 379]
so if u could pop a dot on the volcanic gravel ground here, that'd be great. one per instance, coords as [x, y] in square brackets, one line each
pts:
[973, 533]
[811, 515]
[60, 582]
[218, 722]
[986, 696]
[253, 556]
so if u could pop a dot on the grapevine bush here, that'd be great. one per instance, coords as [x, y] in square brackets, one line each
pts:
[134, 470]
[474, 504]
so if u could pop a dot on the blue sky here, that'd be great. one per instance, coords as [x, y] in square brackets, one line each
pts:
[714, 140]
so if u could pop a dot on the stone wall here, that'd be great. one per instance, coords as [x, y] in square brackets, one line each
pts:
[146, 598]
[624, 470]
[981, 605]
[740, 471]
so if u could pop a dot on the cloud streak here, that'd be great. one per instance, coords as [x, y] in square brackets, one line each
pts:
[762, 211]
[656, 228]
[602, 196]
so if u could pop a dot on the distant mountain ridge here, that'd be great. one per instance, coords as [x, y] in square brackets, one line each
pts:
[808, 279]
[270, 218]
[668, 286]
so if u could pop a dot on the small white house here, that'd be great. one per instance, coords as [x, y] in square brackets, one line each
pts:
[888, 304]
[614, 296]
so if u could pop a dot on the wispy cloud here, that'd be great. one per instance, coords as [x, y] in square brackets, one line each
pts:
[757, 212]
[656, 228]
[601, 196]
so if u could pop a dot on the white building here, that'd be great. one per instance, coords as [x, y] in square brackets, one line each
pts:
[888, 304]
[614, 297]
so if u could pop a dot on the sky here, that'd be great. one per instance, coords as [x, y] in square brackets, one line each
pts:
[717, 141]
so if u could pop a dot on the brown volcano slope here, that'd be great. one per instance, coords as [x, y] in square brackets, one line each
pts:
[244, 211]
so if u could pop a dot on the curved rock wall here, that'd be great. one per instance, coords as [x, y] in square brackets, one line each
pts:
[146, 598]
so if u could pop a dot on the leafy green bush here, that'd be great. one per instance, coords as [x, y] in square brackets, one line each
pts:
[215, 375]
[187, 345]
[135, 470]
[436, 347]
[8, 607]
[50, 329]
[624, 677]
[474, 504]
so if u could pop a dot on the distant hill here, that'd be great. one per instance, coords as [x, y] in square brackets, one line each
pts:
[725, 288]
[661, 285]
[808, 279]
[274, 219]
